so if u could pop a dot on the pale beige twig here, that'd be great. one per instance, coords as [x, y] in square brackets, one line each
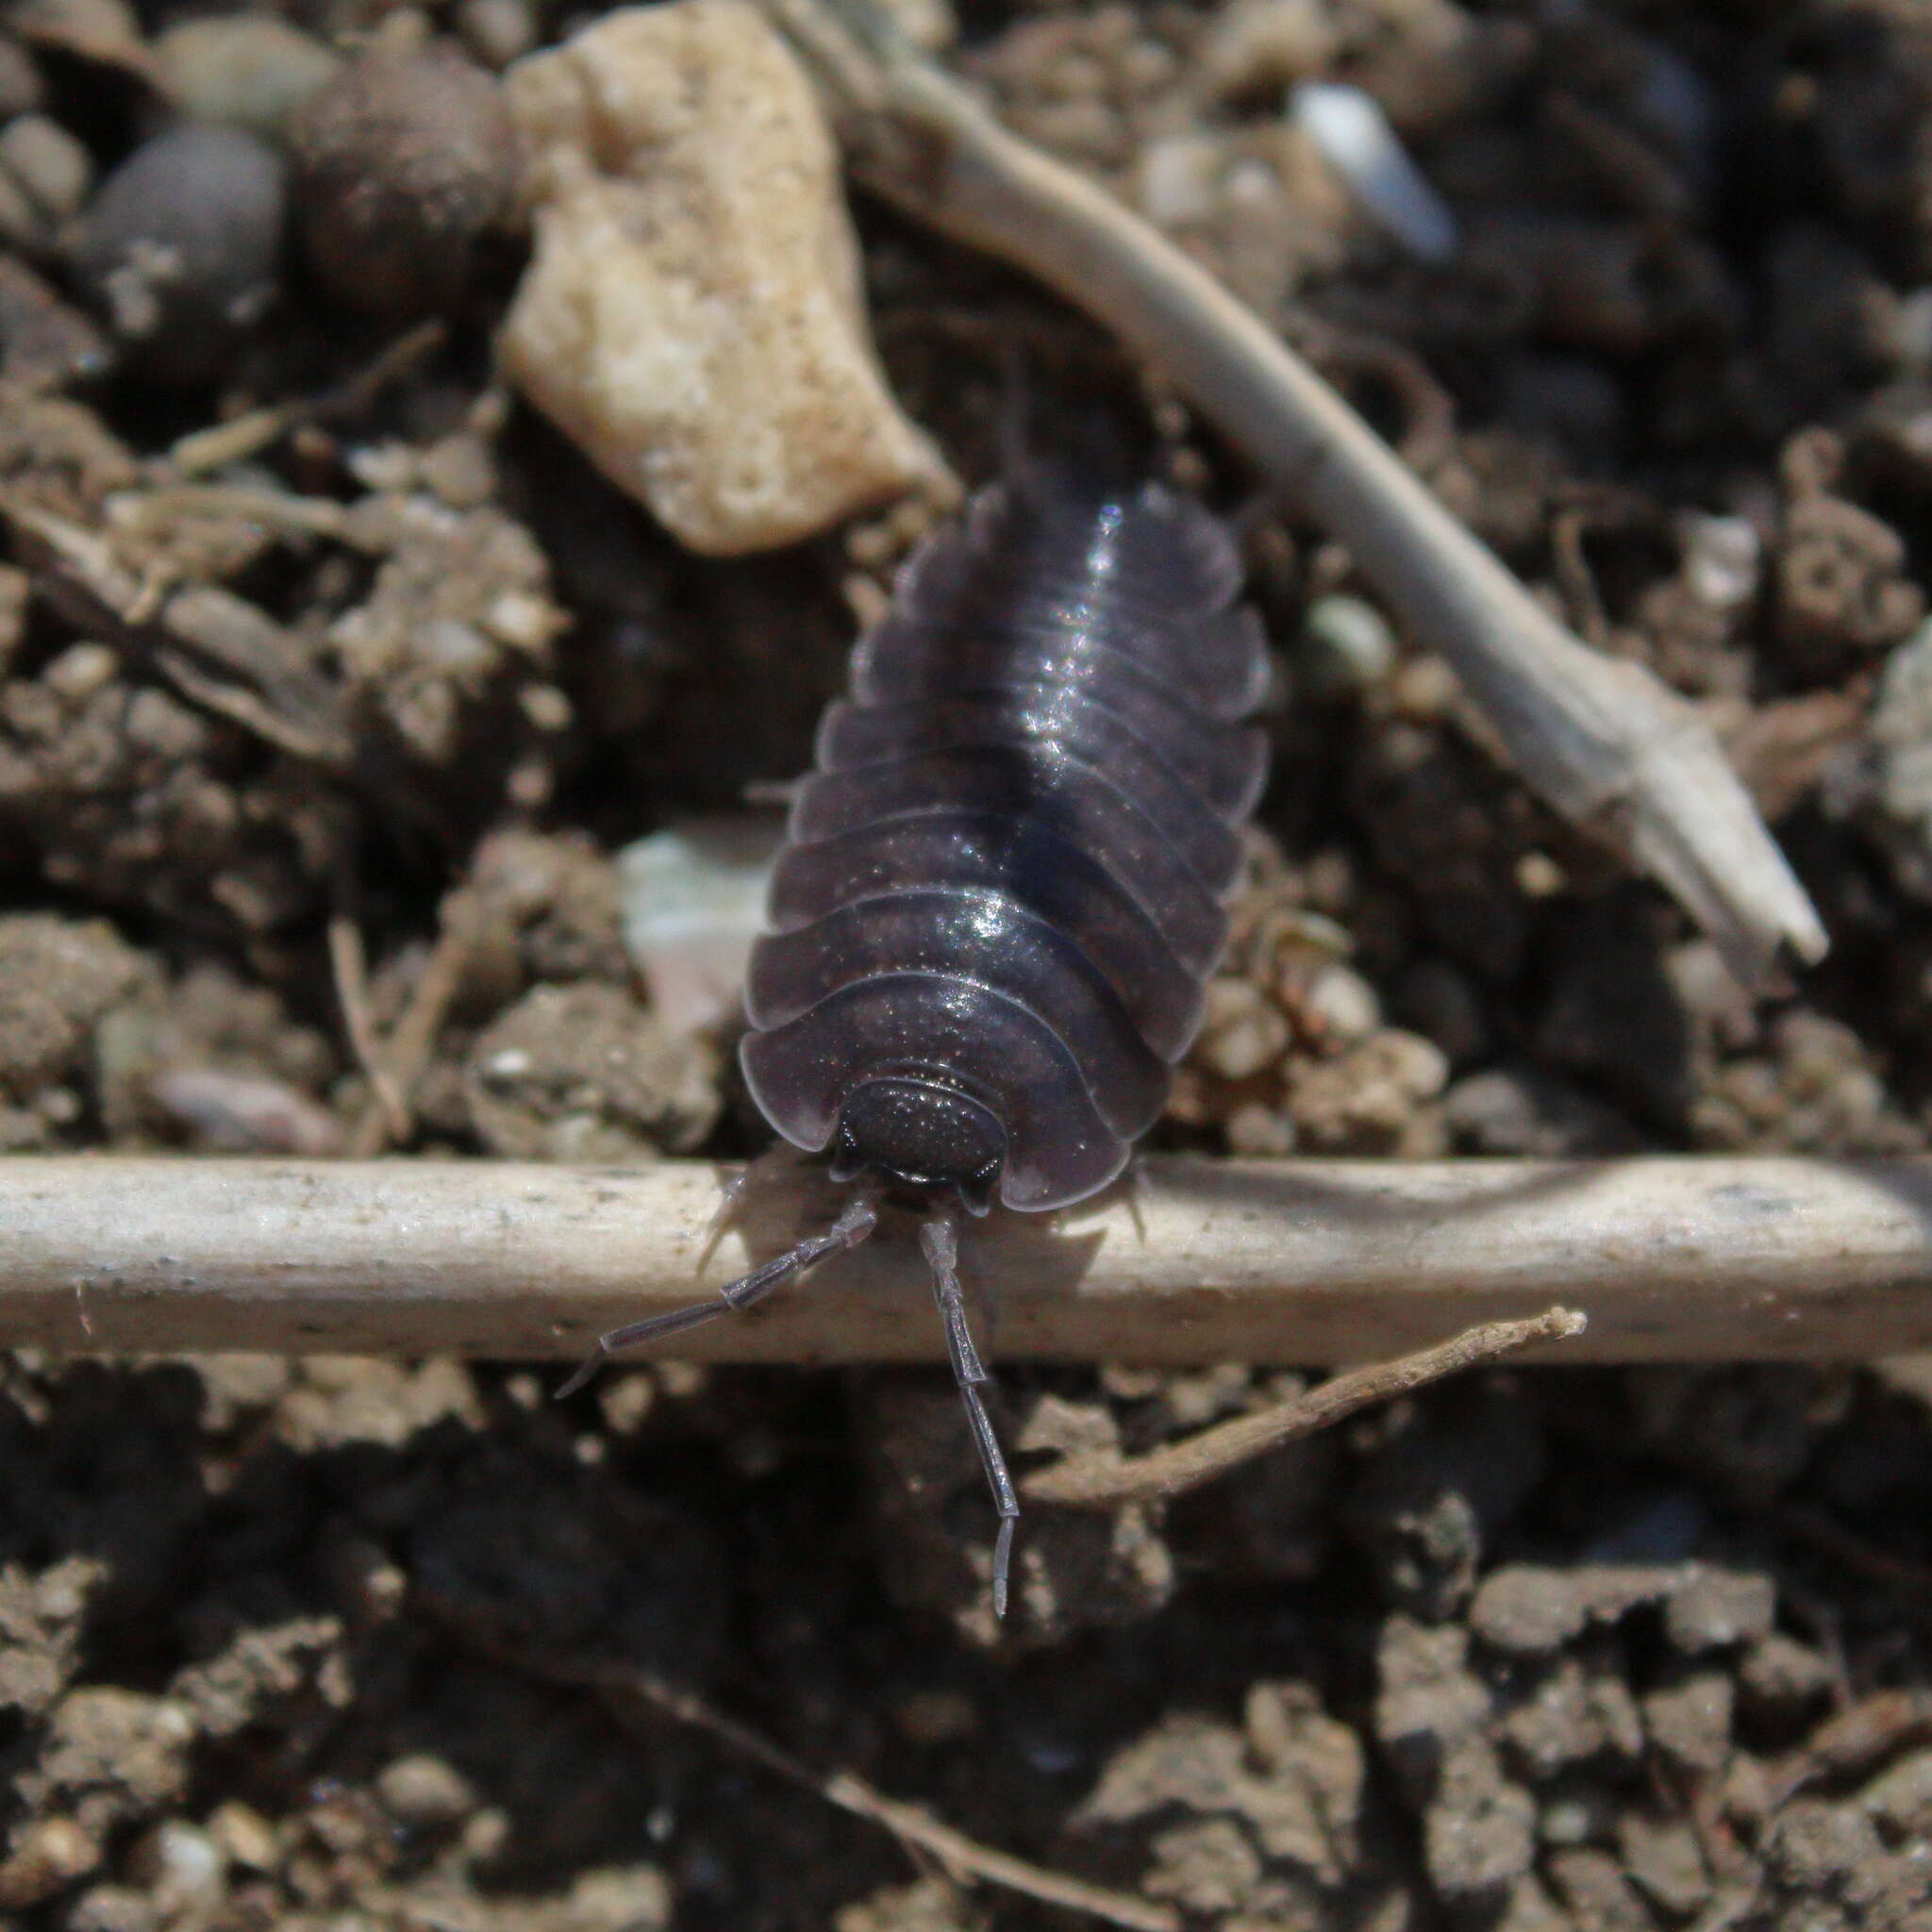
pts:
[1295, 1262]
[242, 707]
[1092, 1481]
[1602, 741]
[280, 511]
[349, 967]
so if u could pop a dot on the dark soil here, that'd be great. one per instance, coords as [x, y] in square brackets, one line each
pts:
[309, 1643]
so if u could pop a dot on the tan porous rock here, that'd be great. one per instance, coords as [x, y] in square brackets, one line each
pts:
[691, 316]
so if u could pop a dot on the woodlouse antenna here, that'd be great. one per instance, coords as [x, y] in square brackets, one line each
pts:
[858, 1220]
[940, 1244]
[1016, 411]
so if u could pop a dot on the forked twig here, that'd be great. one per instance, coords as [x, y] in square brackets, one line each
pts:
[407, 1051]
[1096, 1481]
[349, 967]
[1603, 741]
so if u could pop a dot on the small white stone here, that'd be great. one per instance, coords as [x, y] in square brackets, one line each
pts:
[1355, 137]
[182, 1860]
[54, 168]
[693, 316]
[497, 31]
[1348, 642]
[1241, 1031]
[80, 671]
[1343, 1003]
[694, 902]
[1179, 178]
[1721, 559]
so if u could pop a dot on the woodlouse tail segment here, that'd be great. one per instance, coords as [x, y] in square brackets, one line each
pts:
[857, 1221]
[940, 1244]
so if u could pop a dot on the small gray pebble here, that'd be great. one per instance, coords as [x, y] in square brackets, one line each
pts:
[1900, 1799]
[245, 71]
[1479, 1834]
[1525, 1110]
[497, 31]
[180, 248]
[43, 342]
[425, 1792]
[21, 89]
[1784, 1678]
[55, 170]
[1717, 1609]
[20, 222]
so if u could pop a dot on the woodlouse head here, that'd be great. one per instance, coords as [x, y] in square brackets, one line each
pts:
[920, 1134]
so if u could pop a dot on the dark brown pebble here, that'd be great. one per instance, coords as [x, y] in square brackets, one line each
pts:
[402, 162]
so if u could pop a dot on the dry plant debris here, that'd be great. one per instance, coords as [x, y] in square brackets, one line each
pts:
[1607, 745]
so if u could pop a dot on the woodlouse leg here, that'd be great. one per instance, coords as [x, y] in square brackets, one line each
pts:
[852, 1226]
[940, 1244]
[774, 1161]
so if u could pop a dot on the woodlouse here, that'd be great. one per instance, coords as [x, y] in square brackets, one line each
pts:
[1004, 884]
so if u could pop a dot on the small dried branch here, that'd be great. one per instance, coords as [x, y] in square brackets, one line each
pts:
[349, 965]
[964, 1861]
[1850, 1742]
[405, 1053]
[1292, 1261]
[1108, 1481]
[1605, 742]
[217, 650]
[247, 434]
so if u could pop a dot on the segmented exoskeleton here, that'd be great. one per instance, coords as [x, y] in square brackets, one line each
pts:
[1004, 884]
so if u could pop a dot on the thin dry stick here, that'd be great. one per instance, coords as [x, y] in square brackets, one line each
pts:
[1910, 1583]
[280, 511]
[961, 1858]
[964, 1859]
[349, 967]
[240, 706]
[80, 569]
[1850, 1742]
[248, 435]
[1292, 1261]
[405, 1053]
[1093, 1481]
[1603, 741]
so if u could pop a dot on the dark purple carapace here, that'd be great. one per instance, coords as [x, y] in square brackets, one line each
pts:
[1005, 884]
